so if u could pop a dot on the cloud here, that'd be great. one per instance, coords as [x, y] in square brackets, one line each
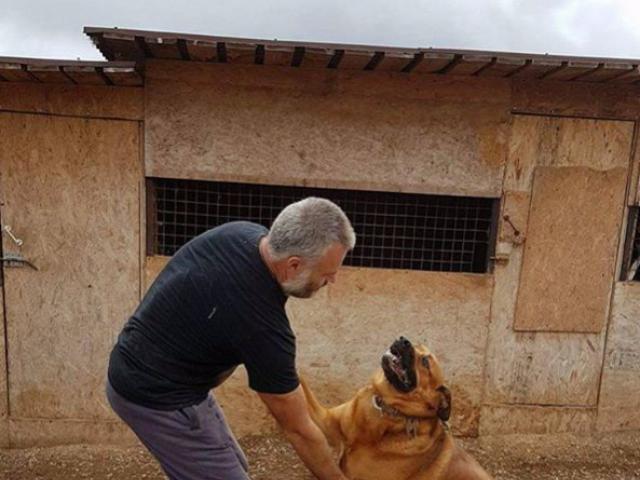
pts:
[572, 27]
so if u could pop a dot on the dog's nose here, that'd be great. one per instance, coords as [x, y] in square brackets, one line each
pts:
[404, 342]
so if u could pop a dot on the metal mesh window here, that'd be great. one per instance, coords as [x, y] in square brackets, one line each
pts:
[394, 230]
[631, 260]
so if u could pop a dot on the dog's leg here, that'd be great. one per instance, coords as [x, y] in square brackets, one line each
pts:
[327, 419]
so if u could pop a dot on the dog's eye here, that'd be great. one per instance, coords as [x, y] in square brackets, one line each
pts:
[425, 362]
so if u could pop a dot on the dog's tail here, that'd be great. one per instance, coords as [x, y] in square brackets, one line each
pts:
[323, 417]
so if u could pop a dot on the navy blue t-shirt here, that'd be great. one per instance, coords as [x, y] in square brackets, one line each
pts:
[214, 306]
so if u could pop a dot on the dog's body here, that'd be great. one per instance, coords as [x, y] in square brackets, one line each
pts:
[394, 428]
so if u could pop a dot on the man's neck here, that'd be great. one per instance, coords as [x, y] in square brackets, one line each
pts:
[272, 265]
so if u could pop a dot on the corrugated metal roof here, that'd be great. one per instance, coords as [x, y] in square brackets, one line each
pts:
[39, 70]
[137, 45]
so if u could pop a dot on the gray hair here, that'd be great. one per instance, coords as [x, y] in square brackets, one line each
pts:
[308, 228]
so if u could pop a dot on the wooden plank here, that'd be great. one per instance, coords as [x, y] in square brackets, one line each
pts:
[538, 68]
[58, 175]
[433, 62]
[355, 60]
[567, 262]
[13, 72]
[76, 100]
[321, 135]
[470, 64]
[537, 140]
[202, 51]
[394, 62]
[316, 57]
[163, 47]
[4, 393]
[52, 74]
[571, 71]
[240, 53]
[619, 404]
[129, 77]
[607, 72]
[502, 67]
[631, 76]
[85, 75]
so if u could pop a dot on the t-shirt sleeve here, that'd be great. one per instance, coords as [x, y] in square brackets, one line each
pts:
[270, 359]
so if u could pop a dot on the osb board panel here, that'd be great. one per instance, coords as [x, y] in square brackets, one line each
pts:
[70, 192]
[538, 141]
[515, 214]
[3, 365]
[25, 433]
[536, 367]
[581, 99]
[4, 432]
[503, 420]
[568, 265]
[313, 128]
[619, 404]
[77, 100]
[356, 320]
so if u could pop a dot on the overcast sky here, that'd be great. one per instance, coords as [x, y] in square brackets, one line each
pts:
[607, 28]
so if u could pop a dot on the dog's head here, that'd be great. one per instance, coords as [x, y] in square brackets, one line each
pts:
[412, 381]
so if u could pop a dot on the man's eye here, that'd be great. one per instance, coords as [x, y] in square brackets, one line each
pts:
[425, 362]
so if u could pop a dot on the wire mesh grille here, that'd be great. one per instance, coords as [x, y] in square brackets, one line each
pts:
[394, 230]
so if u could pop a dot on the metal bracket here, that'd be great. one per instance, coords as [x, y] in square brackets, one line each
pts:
[16, 240]
[17, 261]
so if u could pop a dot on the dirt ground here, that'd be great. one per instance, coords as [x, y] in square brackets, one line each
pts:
[612, 457]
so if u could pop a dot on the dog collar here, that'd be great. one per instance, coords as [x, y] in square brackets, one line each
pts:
[410, 423]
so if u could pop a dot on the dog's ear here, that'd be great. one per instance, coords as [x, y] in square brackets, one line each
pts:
[444, 407]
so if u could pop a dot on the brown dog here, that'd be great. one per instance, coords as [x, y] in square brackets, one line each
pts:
[394, 428]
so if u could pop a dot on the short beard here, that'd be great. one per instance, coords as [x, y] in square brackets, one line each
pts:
[300, 287]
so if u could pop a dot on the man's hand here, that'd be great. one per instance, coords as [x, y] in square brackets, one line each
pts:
[290, 410]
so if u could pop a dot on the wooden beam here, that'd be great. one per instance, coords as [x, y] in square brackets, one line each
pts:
[298, 55]
[143, 48]
[182, 48]
[259, 60]
[562, 66]
[622, 76]
[527, 64]
[221, 48]
[417, 58]
[457, 58]
[375, 60]
[587, 73]
[485, 67]
[101, 74]
[25, 69]
[336, 59]
[67, 75]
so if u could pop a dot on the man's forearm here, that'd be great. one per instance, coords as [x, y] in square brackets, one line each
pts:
[315, 453]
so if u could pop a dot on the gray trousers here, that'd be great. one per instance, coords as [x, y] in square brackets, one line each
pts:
[192, 443]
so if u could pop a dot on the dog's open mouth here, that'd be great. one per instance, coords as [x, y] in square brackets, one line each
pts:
[398, 365]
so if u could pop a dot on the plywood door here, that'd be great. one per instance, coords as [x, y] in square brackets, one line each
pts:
[70, 192]
[570, 254]
[564, 192]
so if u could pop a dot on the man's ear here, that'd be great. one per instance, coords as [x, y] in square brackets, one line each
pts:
[294, 264]
[444, 407]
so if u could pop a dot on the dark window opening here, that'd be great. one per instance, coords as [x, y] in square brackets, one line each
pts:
[631, 259]
[394, 230]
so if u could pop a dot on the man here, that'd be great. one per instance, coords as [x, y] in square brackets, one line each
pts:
[219, 303]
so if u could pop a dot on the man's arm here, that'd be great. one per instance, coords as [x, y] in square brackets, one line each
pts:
[290, 410]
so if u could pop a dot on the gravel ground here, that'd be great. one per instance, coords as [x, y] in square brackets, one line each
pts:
[516, 457]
